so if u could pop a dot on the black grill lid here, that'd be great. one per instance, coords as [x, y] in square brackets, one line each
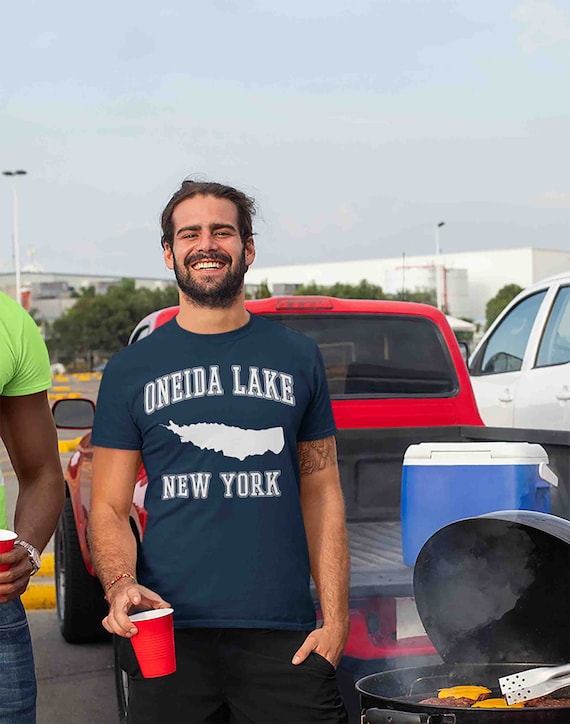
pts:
[496, 588]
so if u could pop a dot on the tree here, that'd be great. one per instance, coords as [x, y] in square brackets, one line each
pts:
[362, 290]
[423, 296]
[102, 323]
[262, 291]
[366, 290]
[496, 305]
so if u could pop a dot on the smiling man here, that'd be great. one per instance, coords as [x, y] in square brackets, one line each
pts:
[231, 417]
[211, 277]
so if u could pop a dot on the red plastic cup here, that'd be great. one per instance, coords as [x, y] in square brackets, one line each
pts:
[154, 643]
[7, 538]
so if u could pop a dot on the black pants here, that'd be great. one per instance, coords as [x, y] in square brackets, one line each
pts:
[241, 676]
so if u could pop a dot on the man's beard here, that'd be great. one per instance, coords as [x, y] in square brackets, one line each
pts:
[219, 296]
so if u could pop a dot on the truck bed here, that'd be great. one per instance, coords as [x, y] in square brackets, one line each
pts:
[370, 461]
[376, 564]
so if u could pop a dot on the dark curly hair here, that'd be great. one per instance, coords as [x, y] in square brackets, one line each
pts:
[244, 204]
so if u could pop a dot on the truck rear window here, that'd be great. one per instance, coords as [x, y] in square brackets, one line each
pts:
[379, 355]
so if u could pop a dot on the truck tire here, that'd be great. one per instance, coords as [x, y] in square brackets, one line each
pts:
[80, 602]
[121, 683]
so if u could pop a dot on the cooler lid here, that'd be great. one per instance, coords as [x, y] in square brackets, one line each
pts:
[496, 588]
[475, 453]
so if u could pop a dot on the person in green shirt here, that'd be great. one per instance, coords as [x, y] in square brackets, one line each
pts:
[28, 431]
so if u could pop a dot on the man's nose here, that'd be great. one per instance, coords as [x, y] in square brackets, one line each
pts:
[208, 241]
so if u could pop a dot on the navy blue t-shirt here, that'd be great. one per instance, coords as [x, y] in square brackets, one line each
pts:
[218, 418]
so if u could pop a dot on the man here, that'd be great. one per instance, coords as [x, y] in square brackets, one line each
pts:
[29, 434]
[230, 415]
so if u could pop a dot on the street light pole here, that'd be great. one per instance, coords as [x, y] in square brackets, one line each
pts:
[14, 175]
[437, 265]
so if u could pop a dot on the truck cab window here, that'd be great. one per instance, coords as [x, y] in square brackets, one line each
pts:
[379, 355]
[505, 348]
[555, 344]
[139, 333]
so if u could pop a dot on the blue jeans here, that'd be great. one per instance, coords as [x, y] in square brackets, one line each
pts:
[17, 673]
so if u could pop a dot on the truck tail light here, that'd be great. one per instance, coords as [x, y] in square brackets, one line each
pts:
[306, 303]
[386, 627]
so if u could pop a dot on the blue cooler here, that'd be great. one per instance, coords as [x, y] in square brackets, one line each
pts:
[445, 482]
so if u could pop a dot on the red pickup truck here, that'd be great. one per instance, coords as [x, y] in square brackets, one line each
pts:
[396, 377]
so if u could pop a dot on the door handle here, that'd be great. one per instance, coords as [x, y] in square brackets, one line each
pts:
[506, 396]
[564, 394]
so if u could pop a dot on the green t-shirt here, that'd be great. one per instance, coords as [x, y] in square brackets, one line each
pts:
[24, 362]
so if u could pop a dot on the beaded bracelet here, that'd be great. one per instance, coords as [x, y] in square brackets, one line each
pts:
[118, 578]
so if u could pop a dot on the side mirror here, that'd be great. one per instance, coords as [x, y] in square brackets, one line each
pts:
[74, 413]
[464, 347]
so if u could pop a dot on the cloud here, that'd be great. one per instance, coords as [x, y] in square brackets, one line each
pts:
[553, 199]
[544, 25]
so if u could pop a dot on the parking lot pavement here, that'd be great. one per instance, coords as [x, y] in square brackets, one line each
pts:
[75, 682]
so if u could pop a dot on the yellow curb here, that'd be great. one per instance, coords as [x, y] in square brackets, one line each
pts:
[68, 445]
[39, 595]
[48, 566]
[41, 590]
[61, 388]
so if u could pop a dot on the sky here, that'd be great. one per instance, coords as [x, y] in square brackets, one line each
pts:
[357, 125]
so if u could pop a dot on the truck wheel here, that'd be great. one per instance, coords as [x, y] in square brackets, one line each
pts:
[121, 684]
[80, 601]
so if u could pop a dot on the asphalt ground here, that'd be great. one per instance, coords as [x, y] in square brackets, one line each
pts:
[75, 681]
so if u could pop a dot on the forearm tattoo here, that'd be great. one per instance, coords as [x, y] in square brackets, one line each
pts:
[316, 455]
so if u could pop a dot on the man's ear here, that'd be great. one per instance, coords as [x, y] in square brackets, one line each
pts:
[168, 256]
[249, 251]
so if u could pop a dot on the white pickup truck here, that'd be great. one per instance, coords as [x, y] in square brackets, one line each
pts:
[520, 370]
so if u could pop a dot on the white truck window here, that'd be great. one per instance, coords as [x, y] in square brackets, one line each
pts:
[555, 344]
[505, 348]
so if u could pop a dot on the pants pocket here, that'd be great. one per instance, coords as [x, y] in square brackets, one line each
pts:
[321, 663]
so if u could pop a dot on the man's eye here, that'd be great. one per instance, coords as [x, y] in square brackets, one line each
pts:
[222, 233]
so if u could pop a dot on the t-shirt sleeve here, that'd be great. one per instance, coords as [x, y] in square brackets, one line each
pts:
[114, 425]
[32, 371]
[318, 421]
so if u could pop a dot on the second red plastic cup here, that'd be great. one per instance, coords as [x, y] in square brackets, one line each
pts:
[7, 538]
[154, 643]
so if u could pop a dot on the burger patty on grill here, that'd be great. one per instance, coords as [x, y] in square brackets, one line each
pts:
[448, 701]
[547, 701]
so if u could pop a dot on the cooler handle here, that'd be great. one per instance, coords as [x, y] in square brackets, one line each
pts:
[547, 474]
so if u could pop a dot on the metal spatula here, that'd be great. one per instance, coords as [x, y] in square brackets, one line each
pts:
[532, 683]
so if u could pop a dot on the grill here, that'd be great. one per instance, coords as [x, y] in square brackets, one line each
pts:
[493, 593]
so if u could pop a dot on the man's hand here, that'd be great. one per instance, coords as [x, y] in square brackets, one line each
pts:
[123, 597]
[14, 581]
[328, 641]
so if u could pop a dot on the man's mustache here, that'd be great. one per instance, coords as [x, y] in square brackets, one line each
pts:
[212, 256]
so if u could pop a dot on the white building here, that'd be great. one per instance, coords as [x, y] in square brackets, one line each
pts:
[466, 280]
